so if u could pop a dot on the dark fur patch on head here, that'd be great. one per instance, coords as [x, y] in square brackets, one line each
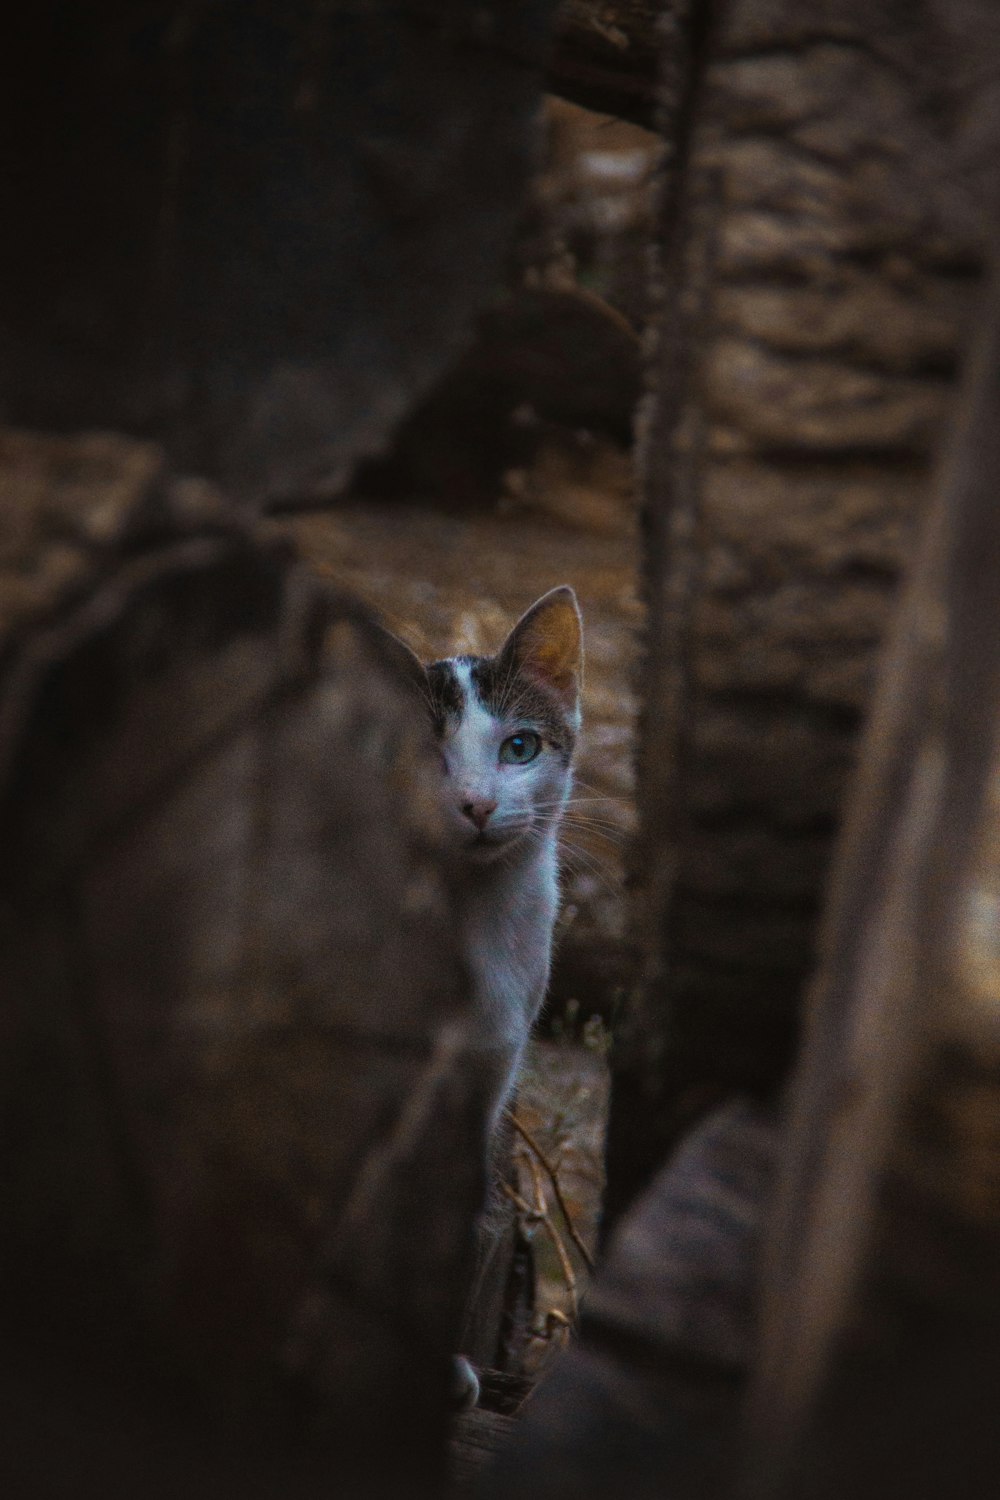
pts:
[518, 696]
[446, 696]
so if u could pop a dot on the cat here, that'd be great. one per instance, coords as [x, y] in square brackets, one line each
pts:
[506, 728]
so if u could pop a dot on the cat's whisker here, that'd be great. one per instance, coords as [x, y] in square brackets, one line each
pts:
[573, 802]
[598, 841]
[617, 840]
[582, 862]
[565, 841]
[606, 815]
[589, 786]
[566, 837]
[570, 872]
[588, 818]
[594, 815]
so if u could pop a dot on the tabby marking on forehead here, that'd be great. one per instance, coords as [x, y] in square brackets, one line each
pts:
[447, 696]
[503, 691]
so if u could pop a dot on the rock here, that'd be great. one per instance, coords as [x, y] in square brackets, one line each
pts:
[232, 1016]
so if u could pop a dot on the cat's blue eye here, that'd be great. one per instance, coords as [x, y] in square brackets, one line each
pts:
[520, 748]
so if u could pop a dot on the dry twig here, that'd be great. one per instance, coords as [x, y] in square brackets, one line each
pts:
[539, 1214]
[553, 1177]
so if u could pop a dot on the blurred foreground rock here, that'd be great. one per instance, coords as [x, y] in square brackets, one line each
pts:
[240, 1155]
[881, 1319]
[647, 1403]
[262, 273]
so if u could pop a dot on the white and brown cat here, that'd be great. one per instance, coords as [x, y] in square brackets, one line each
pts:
[506, 728]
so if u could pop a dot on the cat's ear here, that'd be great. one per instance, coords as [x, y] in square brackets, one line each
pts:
[407, 661]
[547, 643]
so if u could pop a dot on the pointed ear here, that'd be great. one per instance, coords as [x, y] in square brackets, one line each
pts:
[547, 643]
[407, 661]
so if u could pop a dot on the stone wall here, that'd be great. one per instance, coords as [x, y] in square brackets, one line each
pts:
[818, 267]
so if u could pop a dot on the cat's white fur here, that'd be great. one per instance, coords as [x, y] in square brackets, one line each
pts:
[511, 886]
[508, 851]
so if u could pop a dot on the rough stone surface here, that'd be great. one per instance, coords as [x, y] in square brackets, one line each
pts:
[240, 1156]
[879, 1323]
[266, 207]
[613, 57]
[647, 1401]
[819, 235]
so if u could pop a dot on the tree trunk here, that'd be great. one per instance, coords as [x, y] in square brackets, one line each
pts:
[648, 1401]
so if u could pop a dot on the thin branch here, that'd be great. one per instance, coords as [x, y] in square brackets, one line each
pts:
[550, 1172]
[542, 1203]
[539, 1214]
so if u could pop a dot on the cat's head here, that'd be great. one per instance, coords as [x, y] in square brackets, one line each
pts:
[506, 727]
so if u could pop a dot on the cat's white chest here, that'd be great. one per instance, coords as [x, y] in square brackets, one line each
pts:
[508, 945]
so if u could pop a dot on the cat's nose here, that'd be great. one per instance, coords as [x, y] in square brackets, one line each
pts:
[479, 810]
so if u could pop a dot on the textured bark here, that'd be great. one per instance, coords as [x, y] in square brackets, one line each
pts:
[237, 228]
[823, 251]
[241, 1157]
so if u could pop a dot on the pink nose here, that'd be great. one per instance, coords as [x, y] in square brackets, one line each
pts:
[479, 810]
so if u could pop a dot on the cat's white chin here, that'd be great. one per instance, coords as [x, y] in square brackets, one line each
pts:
[484, 847]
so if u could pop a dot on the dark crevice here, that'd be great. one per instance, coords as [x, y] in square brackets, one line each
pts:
[103, 1086]
[929, 368]
[901, 458]
[750, 818]
[748, 902]
[951, 266]
[788, 706]
[878, 463]
[748, 814]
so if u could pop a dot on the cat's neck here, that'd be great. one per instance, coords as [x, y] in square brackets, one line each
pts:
[533, 860]
[510, 912]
